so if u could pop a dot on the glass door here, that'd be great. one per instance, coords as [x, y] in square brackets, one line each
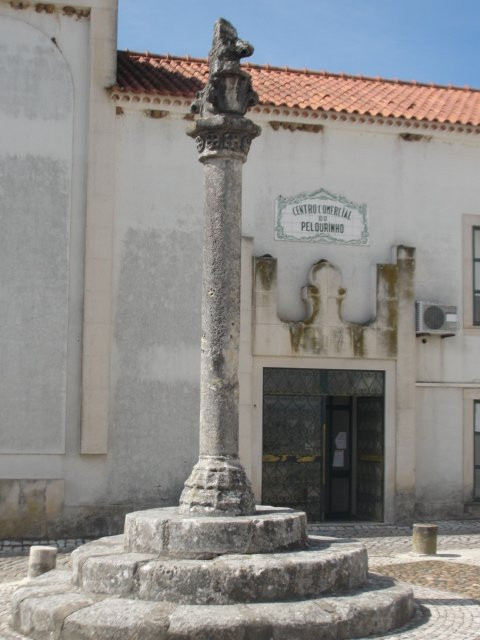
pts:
[370, 436]
[293, 432]
[339, 474]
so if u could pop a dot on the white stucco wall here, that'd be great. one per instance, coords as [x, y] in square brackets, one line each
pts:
[42, 210]
[439, 442]
[416, 193]
[44, 124]
[158, 240]
[114, 272]
[36, 169]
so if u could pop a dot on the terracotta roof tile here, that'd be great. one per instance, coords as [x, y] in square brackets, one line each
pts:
[283, 87]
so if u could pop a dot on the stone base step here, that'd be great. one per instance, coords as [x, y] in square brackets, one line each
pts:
[44, 609]
[324, 567]
[167, 531]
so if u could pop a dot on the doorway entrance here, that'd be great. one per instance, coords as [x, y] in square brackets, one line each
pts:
[323, 441]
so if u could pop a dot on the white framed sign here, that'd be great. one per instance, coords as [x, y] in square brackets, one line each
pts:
[321, 216]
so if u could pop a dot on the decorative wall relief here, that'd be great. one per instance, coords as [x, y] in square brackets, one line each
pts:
[323, 332]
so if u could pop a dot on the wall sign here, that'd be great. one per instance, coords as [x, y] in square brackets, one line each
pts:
[321, 217]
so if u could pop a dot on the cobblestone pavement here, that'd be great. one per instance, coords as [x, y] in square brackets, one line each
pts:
[446, 586]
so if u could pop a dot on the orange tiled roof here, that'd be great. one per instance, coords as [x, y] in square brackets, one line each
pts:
[182, 77]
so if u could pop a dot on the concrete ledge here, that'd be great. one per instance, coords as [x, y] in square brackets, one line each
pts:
[167, 532]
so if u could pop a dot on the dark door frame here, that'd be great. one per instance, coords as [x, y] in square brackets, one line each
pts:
[359, 390]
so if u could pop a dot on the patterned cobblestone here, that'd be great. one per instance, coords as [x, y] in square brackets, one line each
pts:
[440, 616]
[373, 529]
[457, 578]
[447, 586]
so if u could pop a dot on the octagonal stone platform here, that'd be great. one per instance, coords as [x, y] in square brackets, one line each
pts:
[282, 586]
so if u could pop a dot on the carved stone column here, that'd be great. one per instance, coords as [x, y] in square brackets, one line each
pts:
[218, 484]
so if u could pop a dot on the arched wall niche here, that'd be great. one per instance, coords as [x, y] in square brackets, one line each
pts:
[36, 124]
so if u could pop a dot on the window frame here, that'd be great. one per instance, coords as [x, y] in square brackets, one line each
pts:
[471, 222]
[475, 284]
[476, 436]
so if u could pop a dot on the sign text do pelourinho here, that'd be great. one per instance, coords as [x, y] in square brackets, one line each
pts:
[321, 216]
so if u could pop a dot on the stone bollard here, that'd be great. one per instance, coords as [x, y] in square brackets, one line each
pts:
[41, 560]
[425, 538]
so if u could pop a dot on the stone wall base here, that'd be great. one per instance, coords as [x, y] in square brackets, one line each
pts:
[439, 510]
[35, 510]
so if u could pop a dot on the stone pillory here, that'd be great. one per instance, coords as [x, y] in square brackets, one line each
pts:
[218, 484]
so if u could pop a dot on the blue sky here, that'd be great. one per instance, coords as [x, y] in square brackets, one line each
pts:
[424, 40]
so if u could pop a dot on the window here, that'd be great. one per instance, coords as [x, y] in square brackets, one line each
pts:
[476, 449]
[476, 275]
[471, 274]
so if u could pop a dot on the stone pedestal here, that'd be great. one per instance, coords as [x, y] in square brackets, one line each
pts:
[181, 577]
[169, 532]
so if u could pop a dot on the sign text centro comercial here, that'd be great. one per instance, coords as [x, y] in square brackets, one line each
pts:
[321, 217]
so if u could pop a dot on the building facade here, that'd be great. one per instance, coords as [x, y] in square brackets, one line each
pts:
[359, 199]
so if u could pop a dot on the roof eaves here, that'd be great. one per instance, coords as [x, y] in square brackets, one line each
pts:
[372, 117]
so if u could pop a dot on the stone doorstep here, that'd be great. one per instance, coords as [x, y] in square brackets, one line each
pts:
[167, 532]
[228, 579]
[73, 615]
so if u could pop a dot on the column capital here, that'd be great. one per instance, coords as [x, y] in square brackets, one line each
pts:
[223, 136]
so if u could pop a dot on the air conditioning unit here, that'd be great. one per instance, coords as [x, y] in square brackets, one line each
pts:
[436, 319]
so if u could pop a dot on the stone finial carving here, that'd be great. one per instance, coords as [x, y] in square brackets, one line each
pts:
[227, 48]
[222, 130]
[229, 89]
